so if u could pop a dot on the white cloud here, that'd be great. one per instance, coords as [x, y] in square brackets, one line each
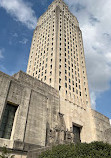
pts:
[15, 35]
[93, 100]
[1, 56]
[94, 18]
[1, 53]
[21, 11]
[24, 41]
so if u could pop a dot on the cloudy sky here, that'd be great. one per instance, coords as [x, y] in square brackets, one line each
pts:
[18, 19]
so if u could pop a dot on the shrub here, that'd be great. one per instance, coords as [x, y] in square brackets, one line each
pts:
[5, 153]
[82, 150]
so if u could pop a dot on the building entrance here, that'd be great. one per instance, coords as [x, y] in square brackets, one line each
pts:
[76, 132]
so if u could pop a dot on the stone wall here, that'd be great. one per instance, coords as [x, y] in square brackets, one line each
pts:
[37, 104]
[44, 117]
[108, 135]
[79, 116]
[103, 128]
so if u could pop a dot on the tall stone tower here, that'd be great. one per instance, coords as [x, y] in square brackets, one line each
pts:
[57, 54]
[57, 58]
[36, 114]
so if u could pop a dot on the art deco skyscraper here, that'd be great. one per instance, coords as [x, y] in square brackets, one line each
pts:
[57, 54]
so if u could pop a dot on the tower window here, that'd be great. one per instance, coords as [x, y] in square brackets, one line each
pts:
[59, 66]
[66, 78]
[59, 80]
[59, 88]
[70, 87]
[59, 73]
[50, 72]
[65, 71]
[51, 66]
[66, 85]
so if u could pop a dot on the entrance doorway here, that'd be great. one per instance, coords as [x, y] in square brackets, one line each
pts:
[76, 132]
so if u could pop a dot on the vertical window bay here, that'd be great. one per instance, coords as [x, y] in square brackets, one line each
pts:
[7, 121]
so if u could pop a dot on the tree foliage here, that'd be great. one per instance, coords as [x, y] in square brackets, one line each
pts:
[5, 153]
[82, 150]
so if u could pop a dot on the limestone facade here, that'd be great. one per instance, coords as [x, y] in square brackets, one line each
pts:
[51, 103]
[57, 54]
[57, 58]
[42, 118]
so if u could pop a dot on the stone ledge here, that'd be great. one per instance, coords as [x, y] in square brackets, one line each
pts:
[35, 153]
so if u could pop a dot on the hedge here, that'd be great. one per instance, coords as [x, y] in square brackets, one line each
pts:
[82, 150]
